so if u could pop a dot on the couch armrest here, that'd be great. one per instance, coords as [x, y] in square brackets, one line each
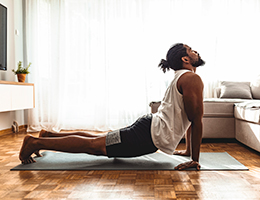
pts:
[154, 106]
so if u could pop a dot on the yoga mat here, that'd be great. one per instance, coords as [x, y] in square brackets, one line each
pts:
[157, 161]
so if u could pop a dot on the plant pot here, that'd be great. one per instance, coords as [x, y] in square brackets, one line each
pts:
[21, 77]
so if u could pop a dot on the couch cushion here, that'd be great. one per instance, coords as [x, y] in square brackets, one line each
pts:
[215, 107]
[248, 111]
[240, 90]
[255, 88]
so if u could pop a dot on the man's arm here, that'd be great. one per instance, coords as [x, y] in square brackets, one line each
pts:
[191, 86]
[186, 152]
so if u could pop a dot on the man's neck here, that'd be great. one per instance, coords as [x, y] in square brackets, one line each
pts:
[189, 67]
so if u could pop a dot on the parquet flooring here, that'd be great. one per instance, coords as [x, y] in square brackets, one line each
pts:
[207, 185]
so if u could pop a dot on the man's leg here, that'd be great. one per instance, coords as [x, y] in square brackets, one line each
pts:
[185, 152]
[45, 133]
[70, 144]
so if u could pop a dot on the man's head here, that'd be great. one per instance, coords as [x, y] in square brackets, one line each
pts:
[180, 55]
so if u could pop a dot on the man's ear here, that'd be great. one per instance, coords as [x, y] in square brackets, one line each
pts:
[185, 59]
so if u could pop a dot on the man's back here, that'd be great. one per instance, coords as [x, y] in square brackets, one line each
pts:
[170, 123]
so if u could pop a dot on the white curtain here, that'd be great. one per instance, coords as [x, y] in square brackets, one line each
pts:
[94, 62]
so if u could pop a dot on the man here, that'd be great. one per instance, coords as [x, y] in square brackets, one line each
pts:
[181, 108]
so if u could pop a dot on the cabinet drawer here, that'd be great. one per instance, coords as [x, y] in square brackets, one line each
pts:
[22, 97]
[16, 96]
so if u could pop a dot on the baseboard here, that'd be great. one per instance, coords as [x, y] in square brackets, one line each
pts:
[8, 131]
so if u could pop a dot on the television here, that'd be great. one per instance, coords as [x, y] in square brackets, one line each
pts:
[3, 37]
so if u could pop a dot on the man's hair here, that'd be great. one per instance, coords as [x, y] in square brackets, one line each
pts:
[173, 58]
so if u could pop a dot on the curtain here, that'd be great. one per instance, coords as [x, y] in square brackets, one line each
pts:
[94, 62]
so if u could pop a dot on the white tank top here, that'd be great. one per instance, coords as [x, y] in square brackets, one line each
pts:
[170, 123]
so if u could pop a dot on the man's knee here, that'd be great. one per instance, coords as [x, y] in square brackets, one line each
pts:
[98, 146]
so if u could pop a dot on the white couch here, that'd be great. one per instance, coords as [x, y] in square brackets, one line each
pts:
[234, 113]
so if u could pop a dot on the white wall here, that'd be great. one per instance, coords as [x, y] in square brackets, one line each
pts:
[14, 54]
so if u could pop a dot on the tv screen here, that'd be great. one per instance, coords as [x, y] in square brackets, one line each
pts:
[3, 37]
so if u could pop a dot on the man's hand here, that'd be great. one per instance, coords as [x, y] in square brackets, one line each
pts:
[186, 165]
[182, 153]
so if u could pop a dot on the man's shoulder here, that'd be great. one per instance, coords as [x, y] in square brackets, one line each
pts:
[190, 77]
[189, 81]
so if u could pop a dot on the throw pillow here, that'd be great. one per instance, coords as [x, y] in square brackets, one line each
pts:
[255, 88]
[235, 90]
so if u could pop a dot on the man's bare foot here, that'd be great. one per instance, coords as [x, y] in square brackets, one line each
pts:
[27, 149]
[37, 153]
[44, 133]
[181, 153]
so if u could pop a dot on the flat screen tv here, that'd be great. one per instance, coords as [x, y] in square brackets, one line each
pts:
[3, 37]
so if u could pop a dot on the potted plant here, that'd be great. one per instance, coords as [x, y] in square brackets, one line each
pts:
[21, 72]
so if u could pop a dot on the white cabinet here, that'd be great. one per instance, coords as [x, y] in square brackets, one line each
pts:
[16, 96]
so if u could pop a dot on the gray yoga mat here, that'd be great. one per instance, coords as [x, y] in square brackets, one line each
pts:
[157, 161]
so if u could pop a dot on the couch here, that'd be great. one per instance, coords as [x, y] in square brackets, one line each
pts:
[233, 113]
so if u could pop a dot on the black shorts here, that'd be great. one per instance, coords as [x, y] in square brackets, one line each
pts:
[132, 141]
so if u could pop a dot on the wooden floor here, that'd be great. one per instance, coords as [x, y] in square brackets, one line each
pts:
[211, 185]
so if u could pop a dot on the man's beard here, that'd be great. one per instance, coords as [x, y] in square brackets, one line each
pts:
[198, 63]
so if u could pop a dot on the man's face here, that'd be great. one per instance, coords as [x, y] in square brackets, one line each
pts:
[195, 58]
